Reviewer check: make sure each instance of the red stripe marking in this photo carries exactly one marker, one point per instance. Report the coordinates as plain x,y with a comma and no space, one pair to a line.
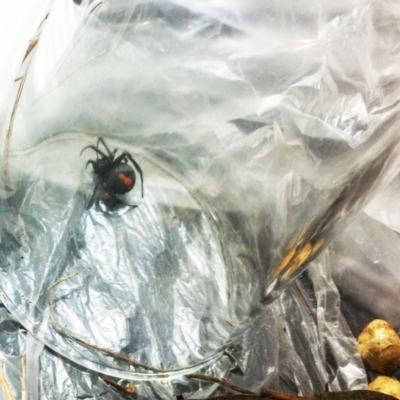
127,181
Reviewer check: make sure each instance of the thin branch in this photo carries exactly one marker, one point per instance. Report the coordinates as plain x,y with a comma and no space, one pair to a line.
128,390
220,381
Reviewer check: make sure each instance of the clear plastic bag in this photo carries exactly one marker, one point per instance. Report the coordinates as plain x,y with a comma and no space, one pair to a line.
365,264
299,344
258,136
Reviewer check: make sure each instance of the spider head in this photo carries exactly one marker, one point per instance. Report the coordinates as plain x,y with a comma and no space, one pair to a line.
102,165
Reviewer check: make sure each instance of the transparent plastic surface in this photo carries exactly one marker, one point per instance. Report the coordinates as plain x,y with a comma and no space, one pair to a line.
384,206
287,349
160,276
258,138
365,261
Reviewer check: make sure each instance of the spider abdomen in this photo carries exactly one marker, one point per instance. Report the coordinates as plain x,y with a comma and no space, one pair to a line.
120,179
114,173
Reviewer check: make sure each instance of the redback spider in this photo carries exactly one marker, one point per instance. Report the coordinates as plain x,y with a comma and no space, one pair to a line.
115,175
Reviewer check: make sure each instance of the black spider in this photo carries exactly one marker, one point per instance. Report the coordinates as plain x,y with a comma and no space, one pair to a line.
115,175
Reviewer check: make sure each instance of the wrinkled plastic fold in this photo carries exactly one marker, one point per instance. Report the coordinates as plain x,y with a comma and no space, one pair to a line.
261,129
300,344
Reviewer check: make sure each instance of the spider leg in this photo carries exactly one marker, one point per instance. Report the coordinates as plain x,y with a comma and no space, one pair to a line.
95,149
101,140
125,155
91,201
90,162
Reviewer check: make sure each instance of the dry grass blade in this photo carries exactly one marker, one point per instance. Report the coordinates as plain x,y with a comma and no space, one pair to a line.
221,382
24,395
117,356
67,333
4,385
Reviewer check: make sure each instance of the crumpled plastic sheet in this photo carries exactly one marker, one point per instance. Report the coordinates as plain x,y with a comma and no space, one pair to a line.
300,344
259,137
256,149
365,261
